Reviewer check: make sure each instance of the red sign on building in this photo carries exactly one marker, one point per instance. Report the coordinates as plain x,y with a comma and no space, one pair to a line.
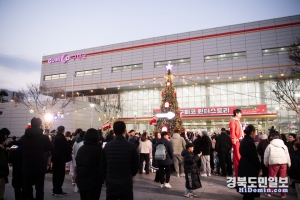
220,110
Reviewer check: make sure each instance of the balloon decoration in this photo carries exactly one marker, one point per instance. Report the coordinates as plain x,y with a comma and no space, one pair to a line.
175,94
162,92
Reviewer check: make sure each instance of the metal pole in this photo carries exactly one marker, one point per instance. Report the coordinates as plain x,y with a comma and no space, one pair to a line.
92,117
72,86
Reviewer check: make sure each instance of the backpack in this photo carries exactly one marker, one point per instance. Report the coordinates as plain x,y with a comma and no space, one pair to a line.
160,152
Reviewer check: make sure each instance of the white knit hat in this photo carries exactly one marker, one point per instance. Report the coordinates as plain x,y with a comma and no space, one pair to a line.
263,136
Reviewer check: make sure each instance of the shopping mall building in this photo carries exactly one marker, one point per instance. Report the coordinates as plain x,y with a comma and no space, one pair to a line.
215,71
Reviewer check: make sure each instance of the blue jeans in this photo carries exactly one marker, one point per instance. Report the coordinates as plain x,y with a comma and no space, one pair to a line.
188,191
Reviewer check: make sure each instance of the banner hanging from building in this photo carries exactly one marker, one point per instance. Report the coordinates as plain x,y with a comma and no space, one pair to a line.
219,110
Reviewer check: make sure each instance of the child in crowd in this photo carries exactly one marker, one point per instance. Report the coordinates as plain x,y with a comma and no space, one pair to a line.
192,177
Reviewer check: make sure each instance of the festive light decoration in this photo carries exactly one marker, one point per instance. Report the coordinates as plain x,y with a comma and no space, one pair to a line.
164,129
169,67
169,115
167,104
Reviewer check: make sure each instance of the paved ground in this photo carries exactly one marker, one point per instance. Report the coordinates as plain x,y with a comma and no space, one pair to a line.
145,188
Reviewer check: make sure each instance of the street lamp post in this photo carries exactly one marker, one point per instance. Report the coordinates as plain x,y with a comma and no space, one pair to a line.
92,114
73,75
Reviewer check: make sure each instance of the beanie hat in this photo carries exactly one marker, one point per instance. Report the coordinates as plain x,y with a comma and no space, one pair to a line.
204,132
263,136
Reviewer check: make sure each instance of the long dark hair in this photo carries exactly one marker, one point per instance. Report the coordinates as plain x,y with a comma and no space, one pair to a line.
249,129
144,137
264,143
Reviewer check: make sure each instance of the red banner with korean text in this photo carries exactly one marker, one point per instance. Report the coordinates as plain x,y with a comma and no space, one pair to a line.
220,110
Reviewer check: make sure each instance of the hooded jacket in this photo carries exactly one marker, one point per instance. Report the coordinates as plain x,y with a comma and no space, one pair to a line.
276,153
35,147
178,143
236,131
192,179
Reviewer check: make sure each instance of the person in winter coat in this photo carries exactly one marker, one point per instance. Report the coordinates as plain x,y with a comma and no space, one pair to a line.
192,178
16,161
197,143
62,153
165,165
4,171
157,136
249,165
178,144
76,146
223,148
294,171
236,134
119,163
35,147
144,149
88,160
277,158
205,149
290,144
261,147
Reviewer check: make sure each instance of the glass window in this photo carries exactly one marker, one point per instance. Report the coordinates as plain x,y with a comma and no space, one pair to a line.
62,75
126,68
81,73
88,72
55,76
181,61
225,56
275,51
97,71
47,78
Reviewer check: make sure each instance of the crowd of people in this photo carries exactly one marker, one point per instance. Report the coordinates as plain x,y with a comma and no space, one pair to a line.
113,159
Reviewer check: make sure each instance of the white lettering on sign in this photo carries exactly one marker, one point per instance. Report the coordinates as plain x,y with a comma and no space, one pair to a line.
65,58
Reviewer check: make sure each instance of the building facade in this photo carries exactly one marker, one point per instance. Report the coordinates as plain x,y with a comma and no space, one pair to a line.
215,70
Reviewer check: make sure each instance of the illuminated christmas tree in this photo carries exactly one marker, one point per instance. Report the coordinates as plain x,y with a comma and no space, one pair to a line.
170,114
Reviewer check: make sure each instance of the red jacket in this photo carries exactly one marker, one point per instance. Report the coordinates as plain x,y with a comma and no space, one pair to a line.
236,131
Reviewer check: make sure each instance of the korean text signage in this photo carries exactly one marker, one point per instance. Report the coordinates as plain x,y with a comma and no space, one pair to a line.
220,110
65,58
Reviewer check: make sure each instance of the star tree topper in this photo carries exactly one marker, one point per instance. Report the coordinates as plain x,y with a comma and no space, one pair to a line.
169,67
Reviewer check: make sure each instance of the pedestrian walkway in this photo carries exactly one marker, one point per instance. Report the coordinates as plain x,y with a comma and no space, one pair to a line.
213,187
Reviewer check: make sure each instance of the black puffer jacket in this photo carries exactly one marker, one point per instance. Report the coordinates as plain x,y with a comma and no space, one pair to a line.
17,162
295,166
4,171
88,170
169,157
119,161
35,147
205,145
192,178
223,143
62,151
